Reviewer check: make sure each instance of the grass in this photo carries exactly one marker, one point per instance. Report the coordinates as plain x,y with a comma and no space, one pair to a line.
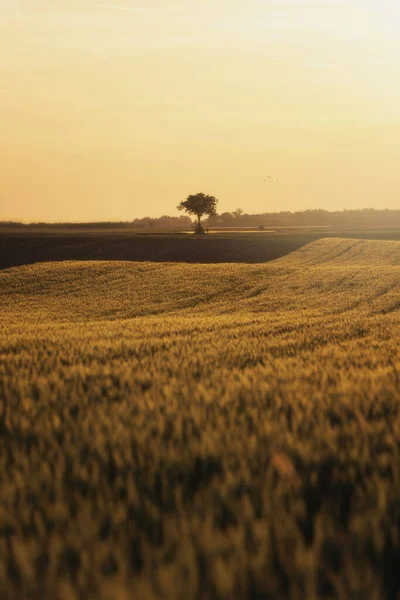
202,431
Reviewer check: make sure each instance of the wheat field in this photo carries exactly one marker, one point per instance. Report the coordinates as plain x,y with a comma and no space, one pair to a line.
202,431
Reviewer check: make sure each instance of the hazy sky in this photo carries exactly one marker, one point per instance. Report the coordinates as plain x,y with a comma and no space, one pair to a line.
112,110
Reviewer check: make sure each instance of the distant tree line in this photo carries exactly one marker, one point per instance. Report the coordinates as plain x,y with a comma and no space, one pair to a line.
163,222
367,217
363,218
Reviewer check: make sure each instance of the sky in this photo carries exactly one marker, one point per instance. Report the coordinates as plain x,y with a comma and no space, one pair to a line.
116,110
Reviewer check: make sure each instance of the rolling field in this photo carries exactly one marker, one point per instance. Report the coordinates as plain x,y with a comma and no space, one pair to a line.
193,431
41,245
27,247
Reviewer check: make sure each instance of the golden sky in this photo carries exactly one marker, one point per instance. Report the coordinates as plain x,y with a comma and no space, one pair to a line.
112,110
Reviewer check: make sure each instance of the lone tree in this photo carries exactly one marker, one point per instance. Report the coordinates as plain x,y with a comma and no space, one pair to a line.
199,205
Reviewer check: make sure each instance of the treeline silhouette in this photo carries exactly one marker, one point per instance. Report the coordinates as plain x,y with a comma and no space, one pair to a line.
363,218
163,222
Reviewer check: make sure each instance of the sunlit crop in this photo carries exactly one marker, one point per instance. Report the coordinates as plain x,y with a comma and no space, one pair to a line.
202,431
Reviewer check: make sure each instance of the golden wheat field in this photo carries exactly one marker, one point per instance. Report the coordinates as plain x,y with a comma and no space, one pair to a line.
202,431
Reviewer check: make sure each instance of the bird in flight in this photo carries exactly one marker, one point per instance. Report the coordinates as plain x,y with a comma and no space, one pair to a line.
270,178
